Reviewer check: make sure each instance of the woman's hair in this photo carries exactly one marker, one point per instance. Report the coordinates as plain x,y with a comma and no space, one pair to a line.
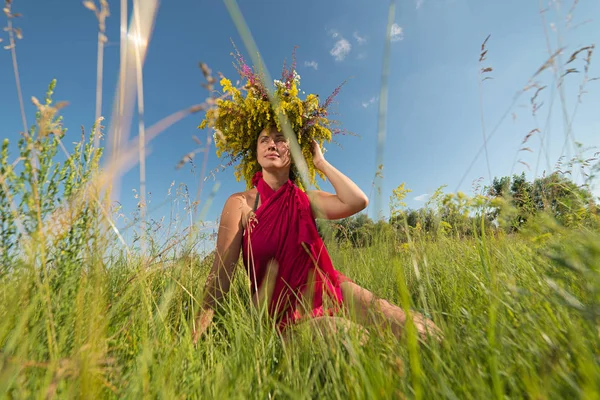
293,176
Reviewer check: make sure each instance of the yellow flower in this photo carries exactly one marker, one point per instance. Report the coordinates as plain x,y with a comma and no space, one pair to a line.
239,119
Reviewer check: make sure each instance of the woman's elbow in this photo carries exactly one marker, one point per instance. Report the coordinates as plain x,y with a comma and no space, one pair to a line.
362,203
365,202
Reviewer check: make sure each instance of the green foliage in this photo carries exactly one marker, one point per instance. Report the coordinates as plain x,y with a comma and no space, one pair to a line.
45,202
510,204
397,199
571,205
356,230
52,244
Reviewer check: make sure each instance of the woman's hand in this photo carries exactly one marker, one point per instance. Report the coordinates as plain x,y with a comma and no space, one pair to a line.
318,158
203,321
426,328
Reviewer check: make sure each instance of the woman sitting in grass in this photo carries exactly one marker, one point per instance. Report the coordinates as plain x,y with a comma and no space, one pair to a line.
273,222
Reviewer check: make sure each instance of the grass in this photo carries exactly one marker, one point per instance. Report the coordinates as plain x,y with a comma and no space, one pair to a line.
114,328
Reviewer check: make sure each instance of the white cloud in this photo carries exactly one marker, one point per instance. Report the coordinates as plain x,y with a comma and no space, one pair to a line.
360,39
420,3
311,64
366,104
396,32
422,197
341,49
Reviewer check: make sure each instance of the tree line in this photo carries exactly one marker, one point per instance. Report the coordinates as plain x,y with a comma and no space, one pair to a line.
508,205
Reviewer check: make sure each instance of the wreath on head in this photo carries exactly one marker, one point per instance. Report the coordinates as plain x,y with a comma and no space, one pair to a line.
239,119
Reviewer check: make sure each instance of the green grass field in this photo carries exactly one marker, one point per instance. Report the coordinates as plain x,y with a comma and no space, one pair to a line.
115,328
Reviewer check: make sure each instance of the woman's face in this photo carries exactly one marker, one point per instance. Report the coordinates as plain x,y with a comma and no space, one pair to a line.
273,150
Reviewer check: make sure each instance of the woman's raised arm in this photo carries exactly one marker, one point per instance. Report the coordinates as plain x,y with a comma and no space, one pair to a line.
348,199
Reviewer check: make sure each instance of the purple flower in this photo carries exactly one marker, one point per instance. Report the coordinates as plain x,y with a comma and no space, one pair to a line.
332,95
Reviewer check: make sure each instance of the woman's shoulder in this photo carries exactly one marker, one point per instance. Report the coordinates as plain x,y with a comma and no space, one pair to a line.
241,203
246,197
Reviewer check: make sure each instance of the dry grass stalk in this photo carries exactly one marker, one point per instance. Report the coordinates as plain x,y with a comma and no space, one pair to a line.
139,32
206,105
483,71
101,14
93,193
138,44
569,17
120,95
531,132
535,106
12,33
586,70
531,84
383,107
211,102
377,176
549,62
587,62
557,69
525,164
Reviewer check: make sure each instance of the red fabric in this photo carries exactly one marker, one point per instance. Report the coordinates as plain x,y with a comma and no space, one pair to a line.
284,230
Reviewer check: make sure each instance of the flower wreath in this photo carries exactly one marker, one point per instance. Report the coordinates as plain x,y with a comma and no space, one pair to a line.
238,120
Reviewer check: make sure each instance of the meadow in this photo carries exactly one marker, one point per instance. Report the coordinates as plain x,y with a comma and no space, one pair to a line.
514,285
81,317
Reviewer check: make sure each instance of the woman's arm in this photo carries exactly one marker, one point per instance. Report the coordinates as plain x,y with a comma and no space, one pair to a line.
348,198
229,243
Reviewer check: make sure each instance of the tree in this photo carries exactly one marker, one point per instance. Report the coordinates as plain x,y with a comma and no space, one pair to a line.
570,204
358,230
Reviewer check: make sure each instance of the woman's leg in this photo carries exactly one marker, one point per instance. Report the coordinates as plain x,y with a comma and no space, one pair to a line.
369,310
330,328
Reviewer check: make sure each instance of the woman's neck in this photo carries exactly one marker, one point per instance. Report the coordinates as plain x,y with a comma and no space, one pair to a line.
275,179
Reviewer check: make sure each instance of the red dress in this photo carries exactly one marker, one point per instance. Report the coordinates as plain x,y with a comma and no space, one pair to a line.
284,230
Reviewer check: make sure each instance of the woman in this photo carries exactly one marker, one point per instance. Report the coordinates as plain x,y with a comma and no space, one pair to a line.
240,221
273,222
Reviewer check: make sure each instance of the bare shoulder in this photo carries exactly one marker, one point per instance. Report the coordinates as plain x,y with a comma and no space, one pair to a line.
241,204
245,198
234,203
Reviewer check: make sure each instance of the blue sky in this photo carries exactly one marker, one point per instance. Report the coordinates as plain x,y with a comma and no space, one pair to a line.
434,124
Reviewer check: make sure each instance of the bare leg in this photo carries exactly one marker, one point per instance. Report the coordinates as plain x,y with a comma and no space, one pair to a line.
329,325
370,310
330,328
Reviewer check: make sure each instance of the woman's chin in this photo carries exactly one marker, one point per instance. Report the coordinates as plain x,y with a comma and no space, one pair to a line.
273,164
